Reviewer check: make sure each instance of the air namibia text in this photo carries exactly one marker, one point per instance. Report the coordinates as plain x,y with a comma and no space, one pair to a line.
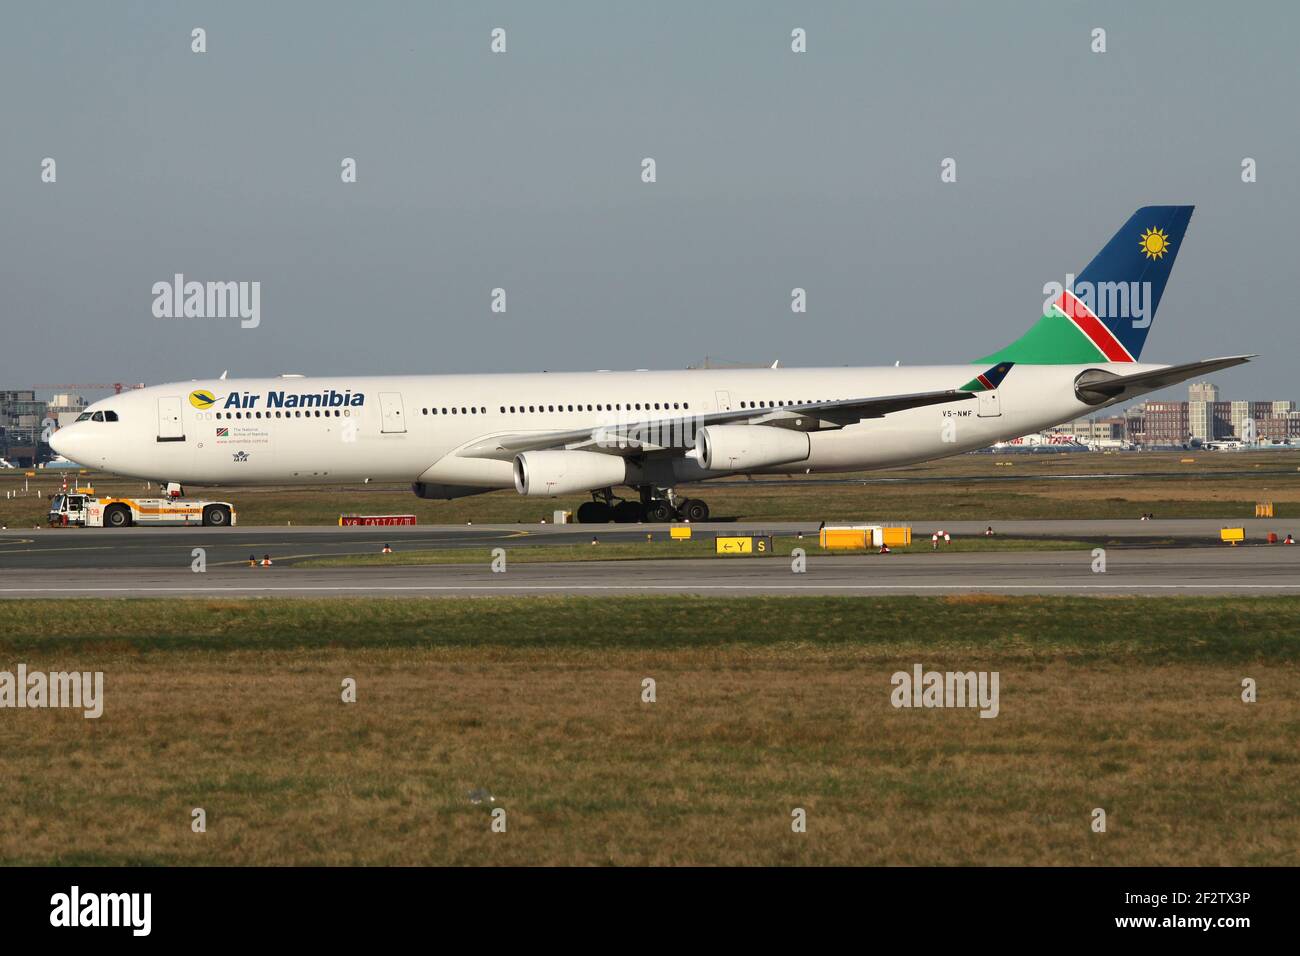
276,399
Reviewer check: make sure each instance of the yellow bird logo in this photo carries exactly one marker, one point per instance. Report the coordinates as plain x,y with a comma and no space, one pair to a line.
202,399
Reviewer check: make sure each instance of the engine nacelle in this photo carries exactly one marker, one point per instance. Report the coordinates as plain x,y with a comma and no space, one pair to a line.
745,447
548,473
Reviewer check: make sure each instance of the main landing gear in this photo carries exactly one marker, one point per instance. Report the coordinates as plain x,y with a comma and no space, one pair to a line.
656,505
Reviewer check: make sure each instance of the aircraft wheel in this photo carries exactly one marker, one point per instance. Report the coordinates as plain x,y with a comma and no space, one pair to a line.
627,512
693,509
659,512
594,512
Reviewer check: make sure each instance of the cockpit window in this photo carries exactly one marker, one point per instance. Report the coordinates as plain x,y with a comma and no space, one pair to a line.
110,416
84,416
97,417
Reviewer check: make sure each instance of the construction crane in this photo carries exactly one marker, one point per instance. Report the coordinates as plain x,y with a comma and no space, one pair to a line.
117,387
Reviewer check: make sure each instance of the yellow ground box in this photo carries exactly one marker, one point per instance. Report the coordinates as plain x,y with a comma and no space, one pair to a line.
897,537
680,532
844,539
1233,534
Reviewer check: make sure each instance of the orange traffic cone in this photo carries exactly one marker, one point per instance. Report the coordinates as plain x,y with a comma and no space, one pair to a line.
252,560
386,550
266,560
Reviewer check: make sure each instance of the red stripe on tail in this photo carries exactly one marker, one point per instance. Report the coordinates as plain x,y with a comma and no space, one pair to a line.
1074,309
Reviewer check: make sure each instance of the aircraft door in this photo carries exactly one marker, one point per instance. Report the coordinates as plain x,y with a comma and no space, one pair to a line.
990,404
170,426
724,401
390,407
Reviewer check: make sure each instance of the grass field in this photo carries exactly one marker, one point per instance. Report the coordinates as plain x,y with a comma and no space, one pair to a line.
1213,484
763,705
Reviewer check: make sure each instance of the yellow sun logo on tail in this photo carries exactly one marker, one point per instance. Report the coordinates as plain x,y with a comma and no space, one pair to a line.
1154,243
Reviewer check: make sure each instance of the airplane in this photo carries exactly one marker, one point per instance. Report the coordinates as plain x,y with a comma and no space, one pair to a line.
548,434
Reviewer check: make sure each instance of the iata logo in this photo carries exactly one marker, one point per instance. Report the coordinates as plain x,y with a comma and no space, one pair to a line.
202,399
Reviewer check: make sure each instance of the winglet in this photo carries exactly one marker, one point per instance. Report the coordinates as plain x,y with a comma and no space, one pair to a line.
989,380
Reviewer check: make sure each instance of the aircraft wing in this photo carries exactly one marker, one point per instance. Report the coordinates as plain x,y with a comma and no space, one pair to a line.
1097,386
678,434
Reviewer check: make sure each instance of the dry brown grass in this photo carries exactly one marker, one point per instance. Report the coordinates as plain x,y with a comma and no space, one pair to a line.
588,774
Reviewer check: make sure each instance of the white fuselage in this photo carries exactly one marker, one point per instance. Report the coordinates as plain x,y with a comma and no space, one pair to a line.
410,428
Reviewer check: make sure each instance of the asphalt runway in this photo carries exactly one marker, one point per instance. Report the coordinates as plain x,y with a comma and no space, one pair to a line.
1129,571
70,549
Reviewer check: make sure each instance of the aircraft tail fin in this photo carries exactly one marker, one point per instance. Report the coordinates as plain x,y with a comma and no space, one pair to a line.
1105,314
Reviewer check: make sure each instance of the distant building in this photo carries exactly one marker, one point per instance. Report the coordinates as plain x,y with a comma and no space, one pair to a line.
1204,417
65,408
20,409
20,426
66,403
1284,427
1165,423
1090,431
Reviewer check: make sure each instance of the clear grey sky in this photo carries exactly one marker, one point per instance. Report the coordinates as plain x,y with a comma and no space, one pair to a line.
522,170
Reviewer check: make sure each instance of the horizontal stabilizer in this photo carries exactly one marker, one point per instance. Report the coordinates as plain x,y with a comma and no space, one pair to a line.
1099,387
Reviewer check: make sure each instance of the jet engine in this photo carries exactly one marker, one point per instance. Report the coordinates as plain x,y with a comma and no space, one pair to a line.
746,447
549,473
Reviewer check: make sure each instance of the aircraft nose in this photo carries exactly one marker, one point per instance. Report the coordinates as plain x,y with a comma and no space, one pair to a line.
67,443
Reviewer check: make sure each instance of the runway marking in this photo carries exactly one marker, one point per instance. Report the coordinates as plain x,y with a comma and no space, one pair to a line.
53,550
236,588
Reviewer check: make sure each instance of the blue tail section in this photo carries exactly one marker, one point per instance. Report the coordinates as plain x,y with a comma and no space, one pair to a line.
1122,286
